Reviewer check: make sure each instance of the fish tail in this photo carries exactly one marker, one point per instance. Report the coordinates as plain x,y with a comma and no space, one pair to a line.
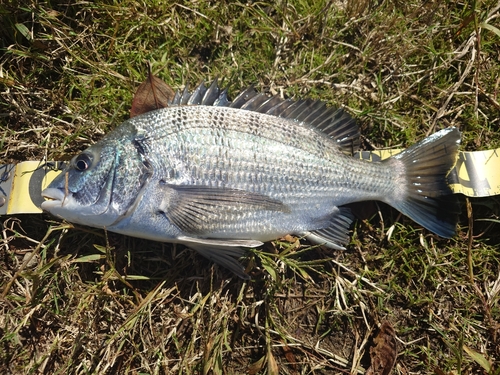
426,197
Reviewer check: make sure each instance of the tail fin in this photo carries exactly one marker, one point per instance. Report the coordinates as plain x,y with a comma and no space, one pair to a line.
429,200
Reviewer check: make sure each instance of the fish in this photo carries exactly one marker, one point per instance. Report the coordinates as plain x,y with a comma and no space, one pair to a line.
222,176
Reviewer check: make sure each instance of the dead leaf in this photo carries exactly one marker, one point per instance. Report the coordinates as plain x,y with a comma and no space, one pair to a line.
290,357
255,367
479,359
152,94
383,354
272,365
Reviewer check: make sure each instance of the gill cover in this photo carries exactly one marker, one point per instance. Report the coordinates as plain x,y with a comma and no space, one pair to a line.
101,185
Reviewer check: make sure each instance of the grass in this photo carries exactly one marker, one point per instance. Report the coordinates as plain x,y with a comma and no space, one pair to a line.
80,301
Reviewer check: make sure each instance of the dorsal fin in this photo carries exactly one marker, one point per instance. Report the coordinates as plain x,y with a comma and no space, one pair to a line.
332,121
244,97
186,95
211,96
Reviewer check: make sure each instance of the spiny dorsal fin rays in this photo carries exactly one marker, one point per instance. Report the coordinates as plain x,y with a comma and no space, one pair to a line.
244,97
255,102
205,96
181,98
212,94
222,100
332,121
283,108
185,95
344,129
301,109
269,104
197,95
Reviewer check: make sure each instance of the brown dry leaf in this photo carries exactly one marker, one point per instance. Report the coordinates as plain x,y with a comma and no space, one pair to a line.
438,371
152,94
255,367
272,365
383,354
290,357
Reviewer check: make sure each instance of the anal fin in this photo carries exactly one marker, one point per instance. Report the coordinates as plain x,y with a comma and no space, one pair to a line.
336,235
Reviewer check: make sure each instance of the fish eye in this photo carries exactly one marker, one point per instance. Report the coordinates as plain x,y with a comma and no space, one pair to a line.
82,162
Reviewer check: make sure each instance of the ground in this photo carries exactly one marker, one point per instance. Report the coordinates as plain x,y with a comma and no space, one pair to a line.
91,302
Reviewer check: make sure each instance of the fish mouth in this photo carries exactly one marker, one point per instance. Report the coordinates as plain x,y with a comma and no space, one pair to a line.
53,198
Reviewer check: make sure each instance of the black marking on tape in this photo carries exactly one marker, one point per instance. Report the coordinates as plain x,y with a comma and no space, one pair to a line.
36,179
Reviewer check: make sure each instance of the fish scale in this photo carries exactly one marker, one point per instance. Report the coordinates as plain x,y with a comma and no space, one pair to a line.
221,176
287,171
190,118
196,145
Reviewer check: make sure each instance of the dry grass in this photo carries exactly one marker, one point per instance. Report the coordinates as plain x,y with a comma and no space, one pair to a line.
80,301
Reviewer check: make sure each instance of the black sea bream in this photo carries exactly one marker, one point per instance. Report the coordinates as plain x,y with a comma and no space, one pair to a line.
221,176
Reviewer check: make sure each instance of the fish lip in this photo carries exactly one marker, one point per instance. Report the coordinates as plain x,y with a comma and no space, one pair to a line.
53,198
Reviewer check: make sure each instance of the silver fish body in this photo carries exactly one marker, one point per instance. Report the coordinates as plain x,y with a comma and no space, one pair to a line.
221,176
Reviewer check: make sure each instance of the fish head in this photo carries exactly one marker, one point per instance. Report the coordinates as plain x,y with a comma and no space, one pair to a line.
100,186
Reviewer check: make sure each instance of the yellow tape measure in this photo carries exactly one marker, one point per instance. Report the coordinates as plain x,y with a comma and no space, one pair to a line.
21,185
476,174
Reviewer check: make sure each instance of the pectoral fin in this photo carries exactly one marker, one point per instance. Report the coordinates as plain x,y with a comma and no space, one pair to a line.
201,210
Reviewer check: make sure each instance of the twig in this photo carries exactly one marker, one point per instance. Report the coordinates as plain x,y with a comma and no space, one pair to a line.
469,240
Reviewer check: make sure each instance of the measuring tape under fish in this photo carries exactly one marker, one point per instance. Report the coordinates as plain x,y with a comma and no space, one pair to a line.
475,175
